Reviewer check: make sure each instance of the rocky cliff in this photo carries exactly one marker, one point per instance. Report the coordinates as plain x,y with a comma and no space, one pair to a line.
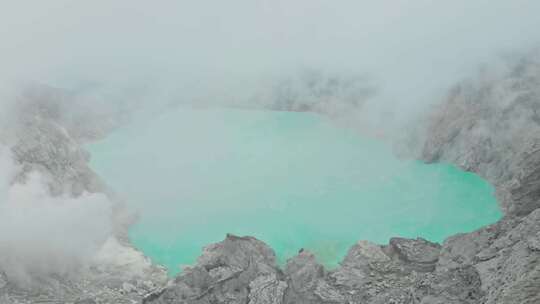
489,125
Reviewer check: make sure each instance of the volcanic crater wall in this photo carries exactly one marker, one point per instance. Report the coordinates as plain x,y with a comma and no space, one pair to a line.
489,125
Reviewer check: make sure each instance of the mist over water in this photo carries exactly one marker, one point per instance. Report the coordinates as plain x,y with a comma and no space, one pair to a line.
207,52
292,179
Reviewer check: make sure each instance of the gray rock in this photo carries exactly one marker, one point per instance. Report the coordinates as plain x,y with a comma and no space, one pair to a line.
128,288
267,289
328,293
237,270
304,272
420,253
493,128
3,279
365,252
86,301
534,242
456,286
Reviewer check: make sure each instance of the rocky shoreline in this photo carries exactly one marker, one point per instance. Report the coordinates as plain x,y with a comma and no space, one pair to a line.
489,125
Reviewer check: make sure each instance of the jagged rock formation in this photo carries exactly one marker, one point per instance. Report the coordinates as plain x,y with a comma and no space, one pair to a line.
243,270
46,130
496,264
489,126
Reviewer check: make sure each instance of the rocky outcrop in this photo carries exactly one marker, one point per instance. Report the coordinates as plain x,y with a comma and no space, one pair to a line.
419,254
45,134
491,126
243,270
237,270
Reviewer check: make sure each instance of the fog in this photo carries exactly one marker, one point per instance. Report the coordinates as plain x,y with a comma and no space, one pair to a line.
390,59
203,51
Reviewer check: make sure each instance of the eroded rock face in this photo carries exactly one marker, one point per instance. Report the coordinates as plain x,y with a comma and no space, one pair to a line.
501,255
46,136
493,265
237,270
454,286
46,147
420,254
367,275
491,126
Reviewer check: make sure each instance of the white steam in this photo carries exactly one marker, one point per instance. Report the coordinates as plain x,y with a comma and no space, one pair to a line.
42,235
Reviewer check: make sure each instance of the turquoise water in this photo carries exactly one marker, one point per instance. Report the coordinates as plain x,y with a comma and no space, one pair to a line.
293,180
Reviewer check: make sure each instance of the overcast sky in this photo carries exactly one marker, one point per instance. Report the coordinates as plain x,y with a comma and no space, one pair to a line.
409,46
